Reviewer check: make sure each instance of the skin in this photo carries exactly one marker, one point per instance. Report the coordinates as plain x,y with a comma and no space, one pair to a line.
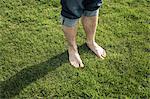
89,25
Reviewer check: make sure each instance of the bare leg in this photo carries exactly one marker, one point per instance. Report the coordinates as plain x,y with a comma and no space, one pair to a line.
74,58
90,25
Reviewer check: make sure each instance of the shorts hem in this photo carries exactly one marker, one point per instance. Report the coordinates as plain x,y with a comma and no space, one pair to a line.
68,22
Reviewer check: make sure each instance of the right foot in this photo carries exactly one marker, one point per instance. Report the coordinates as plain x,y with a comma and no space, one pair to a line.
75,59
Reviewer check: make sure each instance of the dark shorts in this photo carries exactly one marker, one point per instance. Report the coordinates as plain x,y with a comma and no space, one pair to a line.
72,10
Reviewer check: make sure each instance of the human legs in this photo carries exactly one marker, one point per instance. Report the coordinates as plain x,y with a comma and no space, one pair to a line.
90,25
70,35
71,11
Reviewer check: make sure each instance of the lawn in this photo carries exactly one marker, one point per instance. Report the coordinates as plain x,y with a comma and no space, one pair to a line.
34,60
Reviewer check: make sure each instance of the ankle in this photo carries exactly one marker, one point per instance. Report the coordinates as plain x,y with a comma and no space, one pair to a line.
90,42
73,48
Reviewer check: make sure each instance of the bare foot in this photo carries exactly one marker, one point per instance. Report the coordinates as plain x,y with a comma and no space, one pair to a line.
99,51
75,59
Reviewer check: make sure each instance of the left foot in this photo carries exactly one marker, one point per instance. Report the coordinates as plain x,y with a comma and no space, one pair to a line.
98,50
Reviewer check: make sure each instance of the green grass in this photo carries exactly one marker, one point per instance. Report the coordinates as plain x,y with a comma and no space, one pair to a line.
34,60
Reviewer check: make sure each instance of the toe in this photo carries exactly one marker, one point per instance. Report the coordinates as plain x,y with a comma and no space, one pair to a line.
81,65
104,53
100,56
75,64
101,52
98,53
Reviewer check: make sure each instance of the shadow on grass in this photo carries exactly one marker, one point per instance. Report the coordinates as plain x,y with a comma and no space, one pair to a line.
22,79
